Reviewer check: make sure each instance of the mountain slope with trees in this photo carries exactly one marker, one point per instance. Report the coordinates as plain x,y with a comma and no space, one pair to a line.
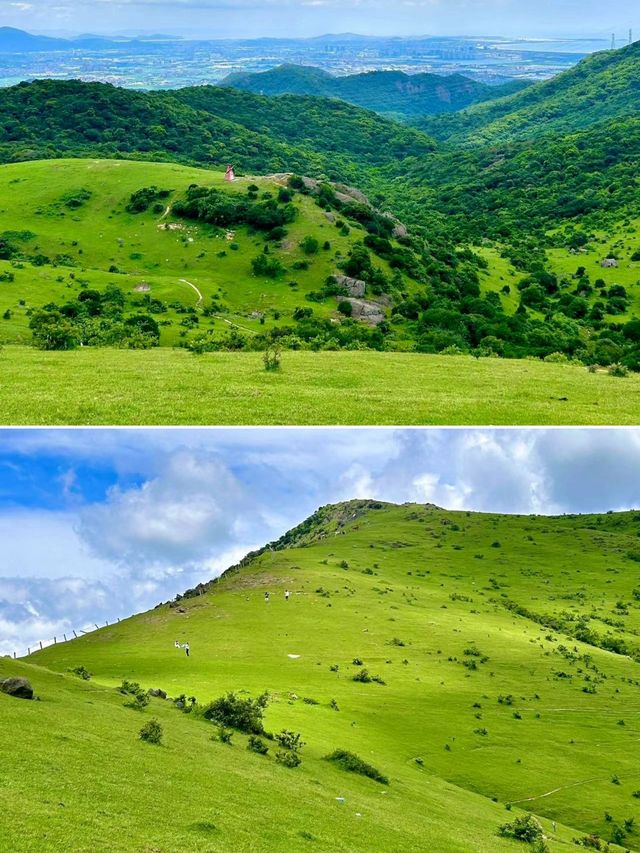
205,125
603,87
389,92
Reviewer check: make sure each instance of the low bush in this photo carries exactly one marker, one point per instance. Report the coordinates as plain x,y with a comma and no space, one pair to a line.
288,759
82,672
223,735
151,732
256,744
272,357
290,740
525,828
245,715
354,764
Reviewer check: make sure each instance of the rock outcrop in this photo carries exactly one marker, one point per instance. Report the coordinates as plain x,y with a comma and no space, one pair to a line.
353,286
367,312
19,688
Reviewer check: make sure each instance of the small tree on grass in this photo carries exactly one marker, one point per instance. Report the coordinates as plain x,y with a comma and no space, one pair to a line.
223,735
288,759
151,732
272,357
290,740
256,744
291,743
245,715
81,671
525,828
139,699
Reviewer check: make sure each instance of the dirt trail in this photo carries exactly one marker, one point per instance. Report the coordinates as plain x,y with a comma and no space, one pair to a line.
555,790
237,326
200,296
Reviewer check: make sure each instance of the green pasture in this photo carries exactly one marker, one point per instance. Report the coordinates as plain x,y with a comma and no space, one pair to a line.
165,386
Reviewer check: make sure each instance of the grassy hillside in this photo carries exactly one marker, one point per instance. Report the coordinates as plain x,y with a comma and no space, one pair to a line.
69,230
389,92
508,647
163,386
602,87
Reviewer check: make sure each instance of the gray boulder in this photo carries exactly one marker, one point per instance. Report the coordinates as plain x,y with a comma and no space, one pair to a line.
367,312
20,688
353,286
155,691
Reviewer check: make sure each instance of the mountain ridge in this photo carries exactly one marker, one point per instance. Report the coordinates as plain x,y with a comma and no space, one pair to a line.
387,92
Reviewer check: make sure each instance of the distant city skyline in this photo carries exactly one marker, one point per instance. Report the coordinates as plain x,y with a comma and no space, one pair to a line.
308,18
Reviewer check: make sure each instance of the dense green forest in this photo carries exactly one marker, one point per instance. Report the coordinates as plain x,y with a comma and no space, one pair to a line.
392,93
206,125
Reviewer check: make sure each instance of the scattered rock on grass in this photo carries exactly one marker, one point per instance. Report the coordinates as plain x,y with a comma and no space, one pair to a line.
20,688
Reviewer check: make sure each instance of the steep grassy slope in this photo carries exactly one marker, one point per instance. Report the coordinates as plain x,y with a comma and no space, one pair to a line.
389,92
602,87
472,621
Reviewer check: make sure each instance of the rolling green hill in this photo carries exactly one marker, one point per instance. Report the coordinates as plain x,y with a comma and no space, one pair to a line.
388,92
603,87
69,230
135,254
507,656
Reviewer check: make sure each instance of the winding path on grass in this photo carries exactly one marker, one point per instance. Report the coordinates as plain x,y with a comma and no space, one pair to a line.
555,790
238,326
201,300
199,294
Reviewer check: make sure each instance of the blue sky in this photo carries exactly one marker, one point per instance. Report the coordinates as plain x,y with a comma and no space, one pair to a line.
98,524
252,18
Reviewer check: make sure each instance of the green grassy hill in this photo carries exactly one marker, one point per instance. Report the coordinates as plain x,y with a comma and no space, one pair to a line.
66,228
602,87
388,92
509,650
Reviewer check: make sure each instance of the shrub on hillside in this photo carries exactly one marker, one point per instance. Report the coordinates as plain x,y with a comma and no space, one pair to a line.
290,740
245,715
618,370
140,200
288,759
267,267
223,734
272,357
354,764
82,672
151,732
364,677
525,828
256,744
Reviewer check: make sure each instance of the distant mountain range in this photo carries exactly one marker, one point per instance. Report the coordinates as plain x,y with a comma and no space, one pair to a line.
19,41
388,92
